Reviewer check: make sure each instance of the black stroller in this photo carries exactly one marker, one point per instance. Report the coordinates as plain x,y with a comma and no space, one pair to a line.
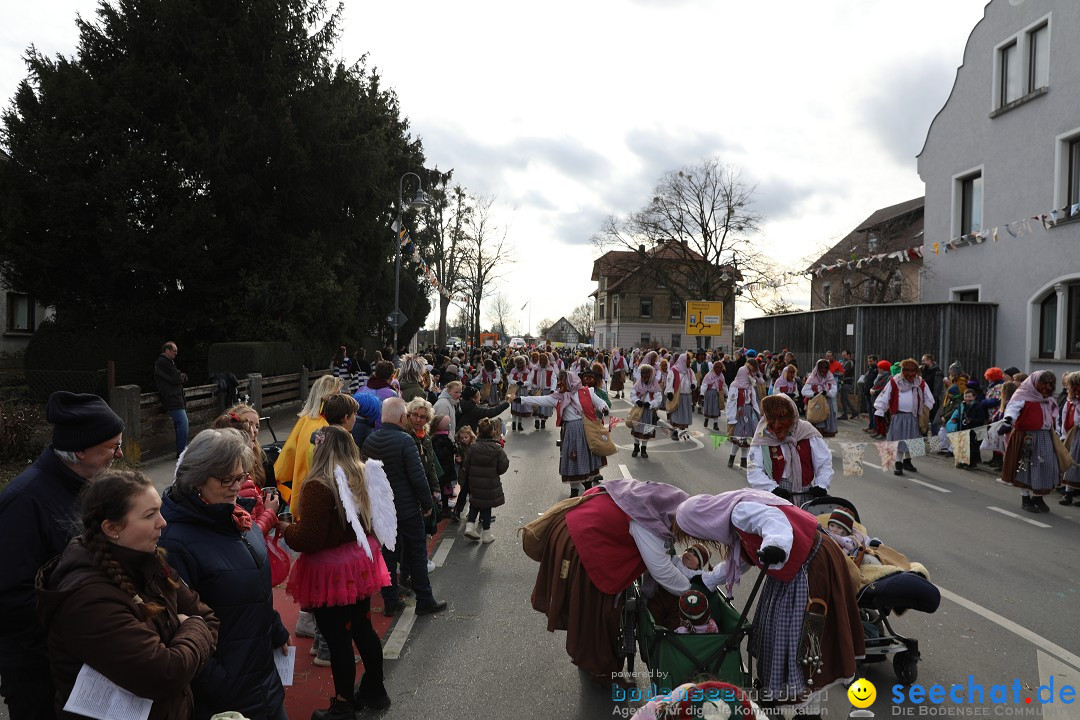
877,600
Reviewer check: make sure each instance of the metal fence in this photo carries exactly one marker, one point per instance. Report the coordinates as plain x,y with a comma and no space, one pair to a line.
964,332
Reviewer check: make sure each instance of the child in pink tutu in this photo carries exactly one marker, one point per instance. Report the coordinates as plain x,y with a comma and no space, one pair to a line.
348,509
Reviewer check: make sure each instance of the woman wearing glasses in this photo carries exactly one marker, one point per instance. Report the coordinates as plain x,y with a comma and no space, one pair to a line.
220,554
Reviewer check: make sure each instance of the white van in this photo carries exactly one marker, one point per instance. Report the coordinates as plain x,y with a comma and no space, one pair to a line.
517,343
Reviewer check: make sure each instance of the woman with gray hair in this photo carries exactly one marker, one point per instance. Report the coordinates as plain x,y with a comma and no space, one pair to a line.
218,551
411,377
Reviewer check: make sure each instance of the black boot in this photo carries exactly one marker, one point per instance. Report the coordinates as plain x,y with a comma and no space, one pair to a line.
908,466
536,424
1067,499
715,426
338,710
899,469
674,434
573,492
1040,504
731,461
706,423
543,423
637,449
742,463
644,452
1026,503
995,463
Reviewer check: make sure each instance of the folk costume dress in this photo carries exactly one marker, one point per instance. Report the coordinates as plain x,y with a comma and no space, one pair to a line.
798,462
576,461
714,387
652,395
491,379
783,386
813,574
1070,421
824,385
544,379
743,409
594,552
523,375
905,402
618,369
1030,459
682,386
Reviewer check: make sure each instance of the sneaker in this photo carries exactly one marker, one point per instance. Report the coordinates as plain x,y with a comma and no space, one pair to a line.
322,659
431,566
305,625
437,606
470,531
338,710
487,537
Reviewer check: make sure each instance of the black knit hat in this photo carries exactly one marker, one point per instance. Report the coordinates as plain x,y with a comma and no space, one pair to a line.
469,391
694,607
80,420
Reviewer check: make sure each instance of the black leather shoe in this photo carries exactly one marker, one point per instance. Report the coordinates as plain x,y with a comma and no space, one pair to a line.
438,606
392,609
338,710
908,466
1040,504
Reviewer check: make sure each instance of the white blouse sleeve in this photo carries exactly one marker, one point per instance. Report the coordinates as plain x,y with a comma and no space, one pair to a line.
768,522
660,565
755,471
882,402
823,469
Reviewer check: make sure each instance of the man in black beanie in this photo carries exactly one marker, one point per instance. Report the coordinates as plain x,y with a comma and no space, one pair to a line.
38,517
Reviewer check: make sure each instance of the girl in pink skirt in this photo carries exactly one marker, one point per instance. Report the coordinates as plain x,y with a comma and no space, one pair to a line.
348,509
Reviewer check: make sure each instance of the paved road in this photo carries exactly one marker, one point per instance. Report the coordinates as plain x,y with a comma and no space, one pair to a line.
1008,614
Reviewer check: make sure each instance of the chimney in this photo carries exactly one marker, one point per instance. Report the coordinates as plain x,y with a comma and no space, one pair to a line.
641,249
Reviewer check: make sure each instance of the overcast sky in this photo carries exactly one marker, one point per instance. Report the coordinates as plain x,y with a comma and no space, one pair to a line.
570,111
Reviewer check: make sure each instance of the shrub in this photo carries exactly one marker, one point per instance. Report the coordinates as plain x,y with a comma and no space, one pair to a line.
244,358
24,433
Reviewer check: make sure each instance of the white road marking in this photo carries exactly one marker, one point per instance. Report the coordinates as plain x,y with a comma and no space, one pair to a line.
1036,640
439,558
1052,670
625,472
926,484
396,642
1036,523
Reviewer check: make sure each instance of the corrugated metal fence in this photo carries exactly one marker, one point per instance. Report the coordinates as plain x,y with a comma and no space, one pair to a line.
948,331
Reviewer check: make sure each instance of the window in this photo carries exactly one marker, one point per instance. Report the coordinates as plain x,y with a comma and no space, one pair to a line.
615,308
676,340
646,307
603,282
1048,326
20,313
872,242
971,200
1072,323
967,296
676,309
600,311
1009,77
826,295
1038,58
1073,192
646,339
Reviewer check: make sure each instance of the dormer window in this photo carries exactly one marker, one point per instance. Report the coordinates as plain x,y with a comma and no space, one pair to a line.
872,242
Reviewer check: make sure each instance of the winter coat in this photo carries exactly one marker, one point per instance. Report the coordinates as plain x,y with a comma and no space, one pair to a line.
396,448
360,431
446,405
90,620
231,572
260,515
427,459
443,445
469,413
411,389
484,463
37,519
293,462
170,383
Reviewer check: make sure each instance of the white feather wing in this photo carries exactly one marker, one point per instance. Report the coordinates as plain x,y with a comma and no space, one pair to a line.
383,510
349,503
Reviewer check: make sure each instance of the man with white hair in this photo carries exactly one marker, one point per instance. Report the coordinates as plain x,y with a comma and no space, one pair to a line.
395,447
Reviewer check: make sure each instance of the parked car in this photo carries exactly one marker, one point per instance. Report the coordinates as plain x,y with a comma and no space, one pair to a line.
517,343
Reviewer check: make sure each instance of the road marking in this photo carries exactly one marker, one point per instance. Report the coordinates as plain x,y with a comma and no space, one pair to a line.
625,472
1037,640
926,484
396,642
1052,670
439,558
1036,523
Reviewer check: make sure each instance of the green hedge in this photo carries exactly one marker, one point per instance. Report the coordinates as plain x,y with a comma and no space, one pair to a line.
244,358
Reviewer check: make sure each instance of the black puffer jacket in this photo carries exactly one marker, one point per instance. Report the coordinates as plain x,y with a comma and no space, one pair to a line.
484,463
401,461
469,413
230,571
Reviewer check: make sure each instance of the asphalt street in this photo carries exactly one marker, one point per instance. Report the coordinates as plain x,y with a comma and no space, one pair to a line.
1008,579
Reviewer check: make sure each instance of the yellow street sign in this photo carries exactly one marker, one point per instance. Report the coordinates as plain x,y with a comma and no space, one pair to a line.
704,318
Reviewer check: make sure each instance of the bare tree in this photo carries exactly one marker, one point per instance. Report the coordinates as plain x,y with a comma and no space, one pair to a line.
446,245
584,319
696,236
499,313
487,255
543,327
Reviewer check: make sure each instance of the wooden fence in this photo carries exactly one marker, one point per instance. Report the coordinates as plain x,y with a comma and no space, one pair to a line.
964,332
148,429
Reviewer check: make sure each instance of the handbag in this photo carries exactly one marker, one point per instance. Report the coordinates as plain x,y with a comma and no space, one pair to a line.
817,409
511,392
924,419
634,416
280,562
485,391
534,535
597,434
1064,457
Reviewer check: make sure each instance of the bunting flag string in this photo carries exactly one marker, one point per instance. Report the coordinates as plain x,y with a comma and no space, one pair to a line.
1015,229
959,443
412,251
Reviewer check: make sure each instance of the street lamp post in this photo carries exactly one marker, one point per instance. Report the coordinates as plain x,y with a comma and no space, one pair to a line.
420,201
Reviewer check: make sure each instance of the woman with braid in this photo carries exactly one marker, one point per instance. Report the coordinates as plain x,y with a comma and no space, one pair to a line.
111,601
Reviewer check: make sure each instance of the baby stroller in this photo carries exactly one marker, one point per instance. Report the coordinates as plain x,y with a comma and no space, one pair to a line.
893,592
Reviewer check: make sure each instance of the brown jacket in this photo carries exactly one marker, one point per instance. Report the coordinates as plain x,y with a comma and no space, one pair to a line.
89,620
321,526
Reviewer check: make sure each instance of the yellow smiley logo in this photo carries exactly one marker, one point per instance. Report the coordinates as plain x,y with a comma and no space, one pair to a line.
862,693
